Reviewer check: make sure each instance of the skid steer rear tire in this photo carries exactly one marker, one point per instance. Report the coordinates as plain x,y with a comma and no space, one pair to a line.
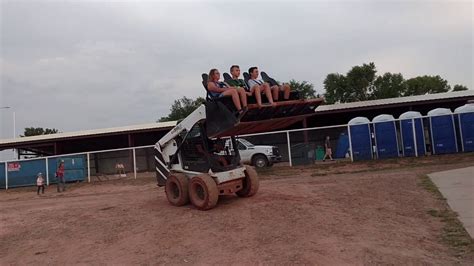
250,183
176,189
203,192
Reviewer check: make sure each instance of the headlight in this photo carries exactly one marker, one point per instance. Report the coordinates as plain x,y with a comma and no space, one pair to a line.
270,151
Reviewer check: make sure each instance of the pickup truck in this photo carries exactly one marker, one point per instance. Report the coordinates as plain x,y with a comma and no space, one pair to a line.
256,155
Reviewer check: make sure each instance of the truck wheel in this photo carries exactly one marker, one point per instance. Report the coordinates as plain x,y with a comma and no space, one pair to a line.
260,161
203,192
250,183
176,189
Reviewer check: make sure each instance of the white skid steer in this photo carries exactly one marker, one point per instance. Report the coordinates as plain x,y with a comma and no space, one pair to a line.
192,162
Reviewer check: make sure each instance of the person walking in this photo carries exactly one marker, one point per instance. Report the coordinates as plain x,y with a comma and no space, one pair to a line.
327,146
40,183
60,177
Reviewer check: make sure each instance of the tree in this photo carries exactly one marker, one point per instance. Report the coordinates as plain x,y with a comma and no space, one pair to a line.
336,88
181,108
357,85
360,82
426,84
36,131
305,88
388,86
459,87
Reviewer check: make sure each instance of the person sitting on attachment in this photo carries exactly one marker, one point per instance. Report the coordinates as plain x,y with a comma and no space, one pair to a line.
217,89
253,72
255,90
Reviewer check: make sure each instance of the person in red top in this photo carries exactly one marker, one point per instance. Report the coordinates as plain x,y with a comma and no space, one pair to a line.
60,176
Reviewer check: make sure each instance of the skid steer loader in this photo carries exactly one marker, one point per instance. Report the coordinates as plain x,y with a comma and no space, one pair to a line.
193,163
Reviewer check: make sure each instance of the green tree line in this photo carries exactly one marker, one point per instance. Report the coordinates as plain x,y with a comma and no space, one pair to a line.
362,83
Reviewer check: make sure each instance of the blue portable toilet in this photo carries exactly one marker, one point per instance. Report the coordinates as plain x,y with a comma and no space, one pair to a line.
360,140
443,133
408,132
342,146
385,132
465,116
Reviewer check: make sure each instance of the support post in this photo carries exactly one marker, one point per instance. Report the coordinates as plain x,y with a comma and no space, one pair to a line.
88,167
47,172
350,143
305,133
415,144
134,164
6,175
289,148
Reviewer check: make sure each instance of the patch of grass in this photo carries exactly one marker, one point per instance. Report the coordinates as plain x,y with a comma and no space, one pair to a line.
427,184
454,234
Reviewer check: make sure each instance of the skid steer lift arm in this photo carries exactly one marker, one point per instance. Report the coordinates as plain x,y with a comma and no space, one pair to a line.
197,116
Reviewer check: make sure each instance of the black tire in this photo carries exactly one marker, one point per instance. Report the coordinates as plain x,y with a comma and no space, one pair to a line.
260,161
250,183
203,192
176,189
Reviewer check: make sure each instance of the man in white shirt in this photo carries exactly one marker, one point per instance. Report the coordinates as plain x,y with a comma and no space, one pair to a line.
253,81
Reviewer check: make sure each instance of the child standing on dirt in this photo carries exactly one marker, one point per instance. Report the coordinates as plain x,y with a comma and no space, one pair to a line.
60,176
40,183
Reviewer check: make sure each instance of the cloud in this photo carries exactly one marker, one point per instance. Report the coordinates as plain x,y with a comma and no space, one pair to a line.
82,65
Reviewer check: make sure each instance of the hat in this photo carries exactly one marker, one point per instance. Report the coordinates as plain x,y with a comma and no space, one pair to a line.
39,174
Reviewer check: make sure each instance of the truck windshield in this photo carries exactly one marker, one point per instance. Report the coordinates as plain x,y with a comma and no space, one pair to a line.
246,142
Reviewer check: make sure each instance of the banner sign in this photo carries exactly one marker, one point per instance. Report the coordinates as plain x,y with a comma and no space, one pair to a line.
14,167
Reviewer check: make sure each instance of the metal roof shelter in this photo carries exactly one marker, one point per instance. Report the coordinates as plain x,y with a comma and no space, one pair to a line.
90,140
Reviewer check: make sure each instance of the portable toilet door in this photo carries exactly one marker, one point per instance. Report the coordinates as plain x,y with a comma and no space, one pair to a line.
408,133
443,134
386,141
360,140
465,116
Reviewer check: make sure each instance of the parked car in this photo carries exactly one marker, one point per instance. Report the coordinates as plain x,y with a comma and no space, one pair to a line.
256,155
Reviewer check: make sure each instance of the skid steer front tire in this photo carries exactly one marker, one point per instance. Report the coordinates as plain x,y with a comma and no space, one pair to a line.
176,189
250,183
203,192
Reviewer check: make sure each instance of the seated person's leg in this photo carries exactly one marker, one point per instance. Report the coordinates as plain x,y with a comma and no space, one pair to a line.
255,90
268,92
286,91
275,92
243,96
235,97
223,161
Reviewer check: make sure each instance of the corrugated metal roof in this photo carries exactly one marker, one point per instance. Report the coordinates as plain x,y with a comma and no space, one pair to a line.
399,100
92,132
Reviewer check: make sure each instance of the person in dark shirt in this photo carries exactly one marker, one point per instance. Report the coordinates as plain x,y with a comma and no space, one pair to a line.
327,146
255,90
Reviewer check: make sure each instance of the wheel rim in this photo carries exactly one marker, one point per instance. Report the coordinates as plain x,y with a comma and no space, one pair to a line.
200,192
260,163
174,190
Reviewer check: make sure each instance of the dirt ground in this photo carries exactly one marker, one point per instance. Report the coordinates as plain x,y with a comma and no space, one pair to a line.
333,213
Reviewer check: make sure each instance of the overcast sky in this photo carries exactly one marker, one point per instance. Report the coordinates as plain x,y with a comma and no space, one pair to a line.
77,65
